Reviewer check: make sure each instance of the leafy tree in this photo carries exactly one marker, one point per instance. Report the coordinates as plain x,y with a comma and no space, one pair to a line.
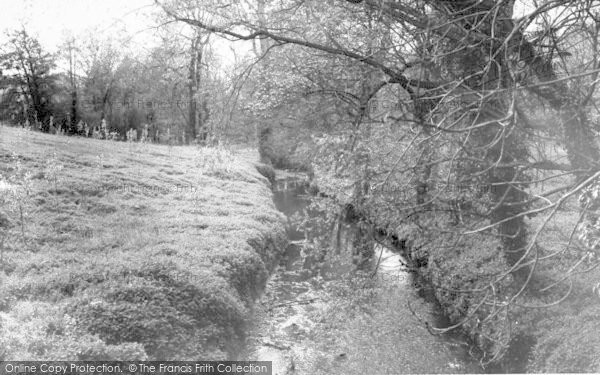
30,82
458,175
100,60
71,51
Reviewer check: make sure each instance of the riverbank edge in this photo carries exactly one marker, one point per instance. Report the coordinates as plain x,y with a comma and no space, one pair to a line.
131,251
423,279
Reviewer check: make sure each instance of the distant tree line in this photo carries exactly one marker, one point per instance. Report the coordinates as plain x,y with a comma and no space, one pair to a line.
99,87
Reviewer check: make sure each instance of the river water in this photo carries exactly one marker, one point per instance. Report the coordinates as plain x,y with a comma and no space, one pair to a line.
319,314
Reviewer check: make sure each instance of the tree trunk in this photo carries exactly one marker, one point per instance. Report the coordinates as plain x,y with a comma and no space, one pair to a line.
74,115
190,132
262,126
501,145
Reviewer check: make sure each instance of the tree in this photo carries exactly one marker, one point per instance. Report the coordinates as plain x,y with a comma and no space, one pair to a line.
99,63
197,116
30,81
71,52
465,67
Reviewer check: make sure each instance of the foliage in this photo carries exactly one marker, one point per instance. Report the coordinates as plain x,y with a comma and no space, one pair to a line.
108,82
456,168
30,85
488,139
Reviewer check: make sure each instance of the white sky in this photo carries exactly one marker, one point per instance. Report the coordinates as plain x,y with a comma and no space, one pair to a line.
51,19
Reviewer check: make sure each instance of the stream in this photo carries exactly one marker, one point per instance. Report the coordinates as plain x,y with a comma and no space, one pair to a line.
319,314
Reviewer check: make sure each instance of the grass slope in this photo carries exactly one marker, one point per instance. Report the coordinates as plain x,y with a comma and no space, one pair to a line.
128,251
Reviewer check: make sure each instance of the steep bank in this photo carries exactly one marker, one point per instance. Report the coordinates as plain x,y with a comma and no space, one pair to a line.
436,267
128,250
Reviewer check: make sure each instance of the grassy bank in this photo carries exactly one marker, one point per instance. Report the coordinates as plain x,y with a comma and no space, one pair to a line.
128,251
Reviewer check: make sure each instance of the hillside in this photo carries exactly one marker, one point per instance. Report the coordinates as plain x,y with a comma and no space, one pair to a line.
113,250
